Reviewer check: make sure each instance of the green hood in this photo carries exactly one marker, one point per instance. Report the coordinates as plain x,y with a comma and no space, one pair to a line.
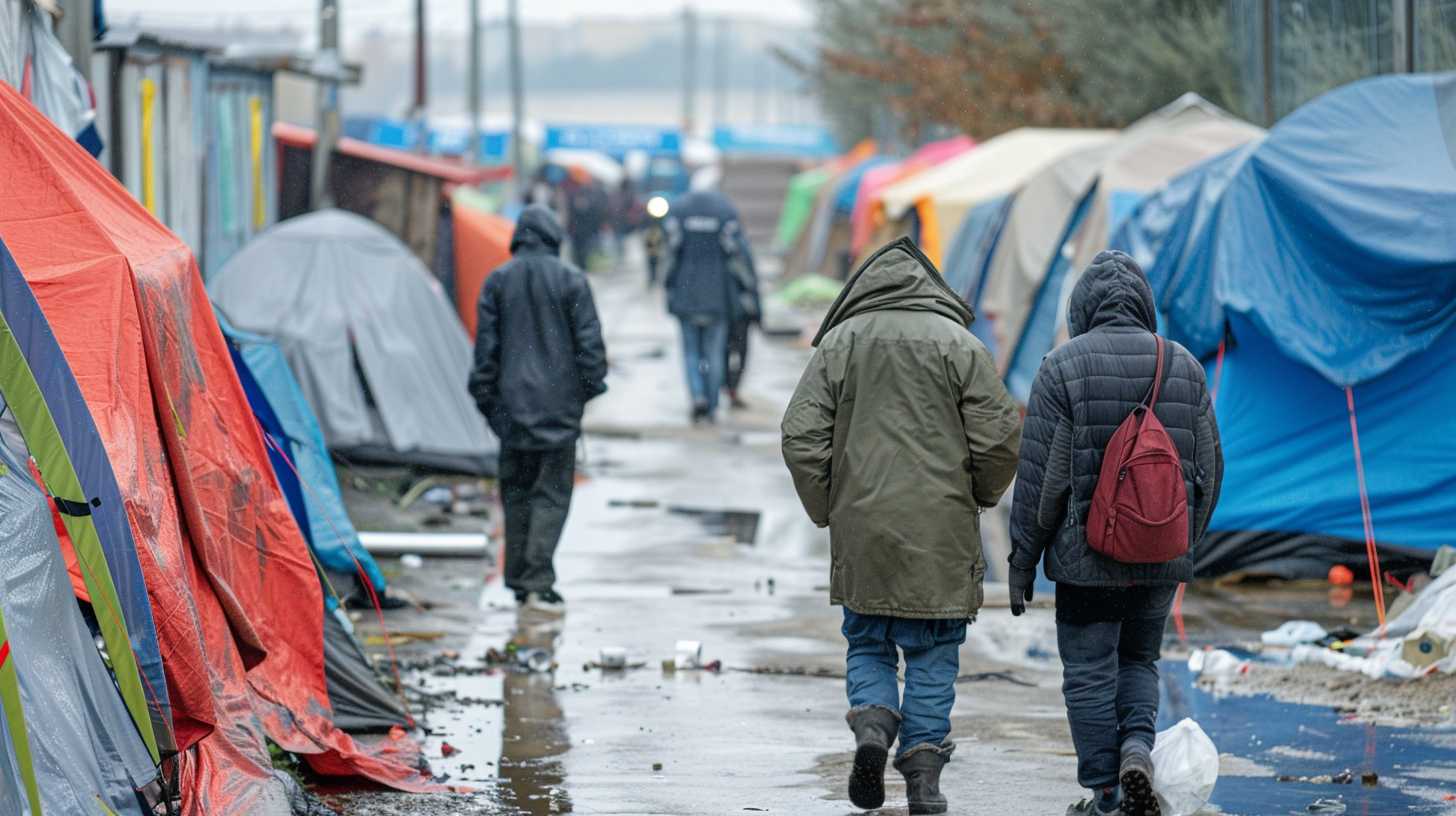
898,277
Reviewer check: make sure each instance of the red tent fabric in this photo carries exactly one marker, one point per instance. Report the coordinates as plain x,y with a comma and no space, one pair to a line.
482,243
234,593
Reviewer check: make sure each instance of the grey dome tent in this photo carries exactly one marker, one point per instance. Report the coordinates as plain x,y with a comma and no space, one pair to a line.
376,347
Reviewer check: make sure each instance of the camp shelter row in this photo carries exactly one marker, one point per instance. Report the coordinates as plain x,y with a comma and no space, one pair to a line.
1312,267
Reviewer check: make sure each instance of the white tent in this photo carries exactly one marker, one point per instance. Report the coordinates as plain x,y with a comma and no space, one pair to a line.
376,347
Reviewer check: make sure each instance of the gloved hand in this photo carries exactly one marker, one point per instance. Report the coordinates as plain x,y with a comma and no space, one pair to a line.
1020,582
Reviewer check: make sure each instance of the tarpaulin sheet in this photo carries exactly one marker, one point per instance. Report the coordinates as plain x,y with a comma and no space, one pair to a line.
329,530
85,456
235,596
1336,236
84,747
798,205
369,334
482,243
1289,465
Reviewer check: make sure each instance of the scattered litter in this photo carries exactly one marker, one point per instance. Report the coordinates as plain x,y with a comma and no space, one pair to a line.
439,496
657,766
448,750
1444,560
636,504
1325,806
1213,664
411,561
1418,641
1293,633
689,654
535,660
401,637
1185,768
612,657
1370,779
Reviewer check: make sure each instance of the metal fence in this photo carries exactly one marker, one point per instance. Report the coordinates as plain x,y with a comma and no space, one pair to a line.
1293,50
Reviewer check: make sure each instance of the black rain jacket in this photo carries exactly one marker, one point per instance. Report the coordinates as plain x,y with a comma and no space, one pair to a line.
539,355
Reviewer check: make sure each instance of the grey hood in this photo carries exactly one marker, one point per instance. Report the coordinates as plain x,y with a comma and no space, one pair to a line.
537,229
1112,292
897,277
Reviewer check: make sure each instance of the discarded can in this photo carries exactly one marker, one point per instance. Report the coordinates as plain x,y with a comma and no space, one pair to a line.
613,657
536,660
689,654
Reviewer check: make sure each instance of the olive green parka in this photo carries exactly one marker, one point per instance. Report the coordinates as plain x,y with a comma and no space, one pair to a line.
899,434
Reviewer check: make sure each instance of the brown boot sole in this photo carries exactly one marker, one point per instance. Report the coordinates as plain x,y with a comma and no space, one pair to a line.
867,779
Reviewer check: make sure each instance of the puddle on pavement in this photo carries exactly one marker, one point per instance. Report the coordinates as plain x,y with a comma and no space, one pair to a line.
1308,741
740,525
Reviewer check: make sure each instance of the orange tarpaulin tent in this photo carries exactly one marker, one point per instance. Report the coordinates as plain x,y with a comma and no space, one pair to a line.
234,593
482,243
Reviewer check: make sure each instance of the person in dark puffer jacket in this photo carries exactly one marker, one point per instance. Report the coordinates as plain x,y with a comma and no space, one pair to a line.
1110,615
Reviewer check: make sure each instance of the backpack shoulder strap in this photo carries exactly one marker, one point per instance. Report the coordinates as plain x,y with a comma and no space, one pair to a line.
1157,375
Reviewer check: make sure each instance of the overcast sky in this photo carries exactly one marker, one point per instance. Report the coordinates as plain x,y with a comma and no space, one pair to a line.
367,13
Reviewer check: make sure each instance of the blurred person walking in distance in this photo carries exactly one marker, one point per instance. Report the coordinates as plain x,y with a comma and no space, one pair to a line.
705,244
899,435
539,358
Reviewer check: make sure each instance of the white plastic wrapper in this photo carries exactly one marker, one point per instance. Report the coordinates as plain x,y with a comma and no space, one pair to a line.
1185,769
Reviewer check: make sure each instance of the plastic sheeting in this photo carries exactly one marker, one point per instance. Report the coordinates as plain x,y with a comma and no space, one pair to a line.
798,205
83,745
329,530
34,62
970,257
234,593
367,330
83,458
1336,236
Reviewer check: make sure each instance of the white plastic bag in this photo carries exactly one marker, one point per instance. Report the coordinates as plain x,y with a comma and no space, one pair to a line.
1185,769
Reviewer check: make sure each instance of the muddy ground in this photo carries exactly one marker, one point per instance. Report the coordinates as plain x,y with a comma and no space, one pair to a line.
694,534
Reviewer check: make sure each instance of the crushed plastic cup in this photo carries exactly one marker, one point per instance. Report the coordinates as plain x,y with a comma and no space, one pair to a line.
612,657
689,654
1185,768
1293,633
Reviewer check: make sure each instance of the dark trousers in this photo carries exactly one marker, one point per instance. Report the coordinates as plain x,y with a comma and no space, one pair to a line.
1110,642
535,490
737,357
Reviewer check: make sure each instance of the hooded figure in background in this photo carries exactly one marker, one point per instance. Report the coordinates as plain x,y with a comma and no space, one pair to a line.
899,435
539,358
711,288
1110,615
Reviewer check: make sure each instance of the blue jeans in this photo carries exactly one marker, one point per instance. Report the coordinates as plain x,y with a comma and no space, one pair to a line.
932,662
705,351
1110,678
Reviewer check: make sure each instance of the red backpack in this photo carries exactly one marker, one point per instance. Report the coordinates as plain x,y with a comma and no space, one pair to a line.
1139,509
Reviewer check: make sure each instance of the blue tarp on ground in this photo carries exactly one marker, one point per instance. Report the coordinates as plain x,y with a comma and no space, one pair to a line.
88,457
1326,254
278,402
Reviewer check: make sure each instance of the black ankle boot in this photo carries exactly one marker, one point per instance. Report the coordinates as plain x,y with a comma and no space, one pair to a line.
921,768
874,729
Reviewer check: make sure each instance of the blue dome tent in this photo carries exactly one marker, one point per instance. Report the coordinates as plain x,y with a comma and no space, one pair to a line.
1315,272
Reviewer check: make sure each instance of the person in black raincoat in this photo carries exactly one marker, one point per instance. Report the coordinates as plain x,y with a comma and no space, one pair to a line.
539,358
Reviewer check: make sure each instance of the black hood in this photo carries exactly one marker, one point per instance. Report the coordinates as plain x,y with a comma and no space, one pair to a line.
538,229
1112,292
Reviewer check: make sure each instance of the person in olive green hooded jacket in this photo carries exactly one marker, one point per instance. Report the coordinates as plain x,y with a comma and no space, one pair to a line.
900,433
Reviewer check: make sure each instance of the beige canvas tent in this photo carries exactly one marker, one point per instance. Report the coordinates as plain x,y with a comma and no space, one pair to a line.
1148,152
944,194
